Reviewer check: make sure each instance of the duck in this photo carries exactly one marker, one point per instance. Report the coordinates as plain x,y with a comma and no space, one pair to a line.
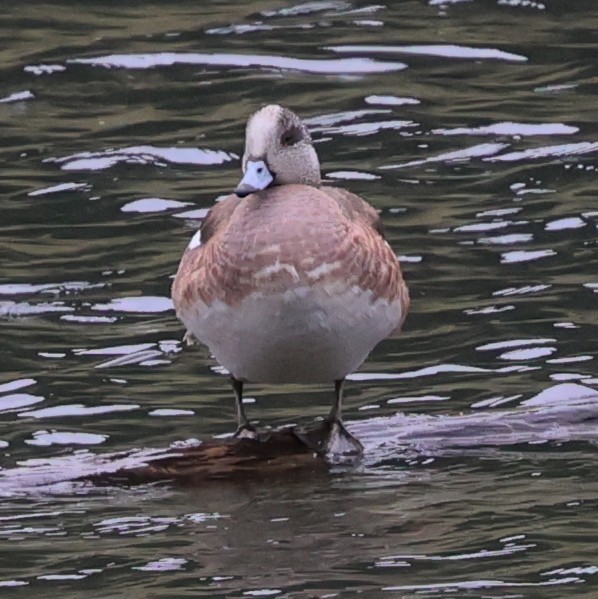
288,279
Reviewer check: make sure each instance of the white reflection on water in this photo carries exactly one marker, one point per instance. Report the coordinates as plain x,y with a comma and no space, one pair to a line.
44,69
17,97
493,402
165,564
524,290
418,398
49,288
169,412
466,585
80,318
528,354
343,66
561,224
143,304
359,129
508,548
198,214
390,100
16,384
305,8
498,224
525,256
426,371
322,122
77,410
93,161
572,149
152,205
507,239
144,354
489,310
117,350
465,154
564,411
19,309
443,50
498,212
570,359
345,123
68,186
16,401
513,343
511,128
46,438
352,175
61,576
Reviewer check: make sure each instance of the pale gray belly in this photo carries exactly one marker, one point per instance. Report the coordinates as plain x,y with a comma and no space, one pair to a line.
303,335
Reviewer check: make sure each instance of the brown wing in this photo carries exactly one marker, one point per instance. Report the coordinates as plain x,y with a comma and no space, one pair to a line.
217,216
192,269
367,254
289,236
369,262
354,207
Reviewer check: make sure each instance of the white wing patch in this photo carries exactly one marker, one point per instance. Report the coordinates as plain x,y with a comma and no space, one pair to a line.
195,241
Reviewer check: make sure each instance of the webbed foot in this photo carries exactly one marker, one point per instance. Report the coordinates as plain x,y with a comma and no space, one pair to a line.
332,441
245,431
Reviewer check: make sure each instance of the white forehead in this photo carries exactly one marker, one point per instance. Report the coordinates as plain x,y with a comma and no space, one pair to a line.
261,127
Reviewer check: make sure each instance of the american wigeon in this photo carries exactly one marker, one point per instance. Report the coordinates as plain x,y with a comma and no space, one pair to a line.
289,280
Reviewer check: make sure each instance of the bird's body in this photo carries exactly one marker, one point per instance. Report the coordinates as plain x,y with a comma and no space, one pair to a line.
290,289
293,282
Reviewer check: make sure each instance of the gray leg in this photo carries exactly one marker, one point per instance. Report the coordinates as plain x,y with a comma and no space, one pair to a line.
244,428
337,404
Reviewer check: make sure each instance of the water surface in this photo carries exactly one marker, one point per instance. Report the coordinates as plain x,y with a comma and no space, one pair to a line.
471,126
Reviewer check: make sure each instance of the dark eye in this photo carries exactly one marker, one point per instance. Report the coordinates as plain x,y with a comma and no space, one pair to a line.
291,136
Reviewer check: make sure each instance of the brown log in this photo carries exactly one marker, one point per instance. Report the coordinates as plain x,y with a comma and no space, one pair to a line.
271,454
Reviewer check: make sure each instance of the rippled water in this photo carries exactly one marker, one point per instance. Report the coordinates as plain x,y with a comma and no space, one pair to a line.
472,127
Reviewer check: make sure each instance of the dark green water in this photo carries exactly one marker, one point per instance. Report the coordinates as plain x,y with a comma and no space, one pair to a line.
472,127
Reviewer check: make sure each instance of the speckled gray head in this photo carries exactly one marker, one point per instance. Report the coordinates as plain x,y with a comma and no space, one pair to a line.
278,151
